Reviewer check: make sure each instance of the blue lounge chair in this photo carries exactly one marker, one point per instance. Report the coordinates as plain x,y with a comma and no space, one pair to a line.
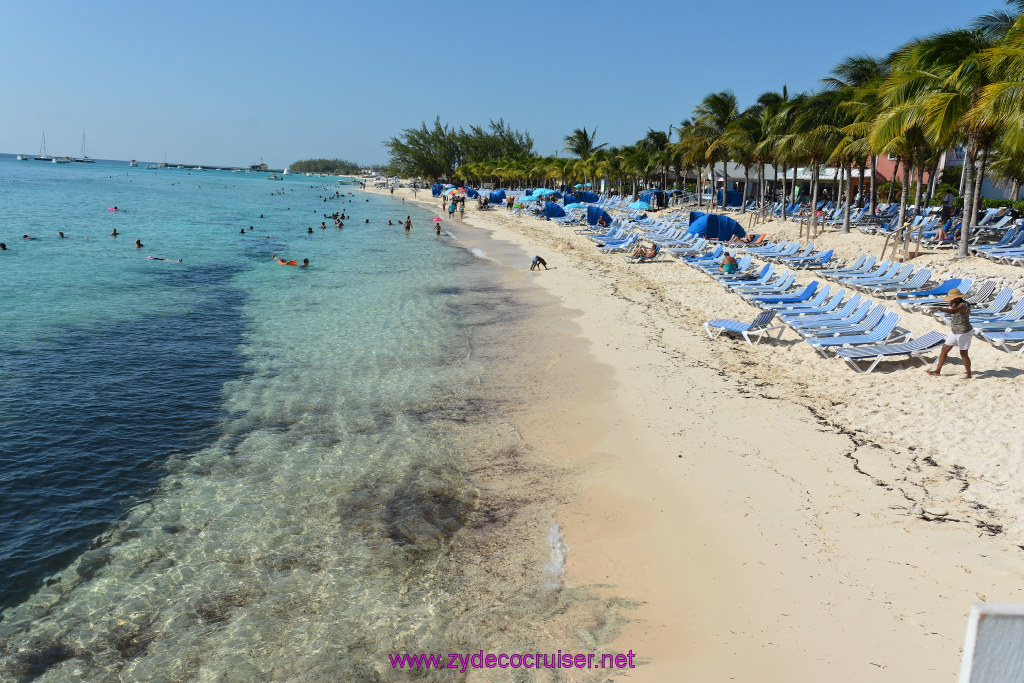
759,326
918,279
1001,340
815,301
640,258
799,297
861,266
885,331
913,348
810,307
836,329
848,308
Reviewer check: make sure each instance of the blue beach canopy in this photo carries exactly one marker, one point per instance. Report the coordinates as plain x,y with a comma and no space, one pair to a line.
656,198
595,213
552,210
498,197
471,193
734,198
569,199
588,197
714,226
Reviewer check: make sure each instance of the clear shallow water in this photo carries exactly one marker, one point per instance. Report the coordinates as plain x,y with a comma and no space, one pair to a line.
230,468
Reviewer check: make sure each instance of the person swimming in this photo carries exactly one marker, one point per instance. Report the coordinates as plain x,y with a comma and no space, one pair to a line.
310,231
61,235
138,244
161,258
114,233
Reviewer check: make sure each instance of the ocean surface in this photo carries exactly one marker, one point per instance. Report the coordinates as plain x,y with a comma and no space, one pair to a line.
229,468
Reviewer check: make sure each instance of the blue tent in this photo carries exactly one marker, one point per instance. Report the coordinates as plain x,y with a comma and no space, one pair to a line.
715,227
735,198
570,199
552,210
694,215
595,213
471,193
588,197
498,197
656,198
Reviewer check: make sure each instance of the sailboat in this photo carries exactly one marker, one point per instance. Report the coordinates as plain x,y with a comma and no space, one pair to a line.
84,159
43,156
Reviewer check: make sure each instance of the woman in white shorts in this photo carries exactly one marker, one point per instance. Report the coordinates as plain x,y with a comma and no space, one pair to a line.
960,331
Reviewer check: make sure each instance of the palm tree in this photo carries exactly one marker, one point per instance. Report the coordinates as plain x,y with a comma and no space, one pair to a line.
581,143
938,83
859,77
711,120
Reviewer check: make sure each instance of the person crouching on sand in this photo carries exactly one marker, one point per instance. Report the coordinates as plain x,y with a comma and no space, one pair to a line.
960,334
537,263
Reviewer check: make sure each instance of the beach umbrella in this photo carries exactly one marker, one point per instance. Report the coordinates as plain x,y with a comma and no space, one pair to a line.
578,185
451,192
528,198
576,205
462,189
590,184
640,205
543,192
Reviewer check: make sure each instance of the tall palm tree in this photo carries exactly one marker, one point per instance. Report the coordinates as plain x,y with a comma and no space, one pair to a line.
581,143
859,77
711,120
938,83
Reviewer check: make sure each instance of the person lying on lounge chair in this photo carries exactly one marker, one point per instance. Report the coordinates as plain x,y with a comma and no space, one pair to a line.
646,252
745,240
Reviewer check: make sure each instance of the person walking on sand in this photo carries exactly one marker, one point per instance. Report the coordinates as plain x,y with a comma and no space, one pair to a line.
960,331
462,209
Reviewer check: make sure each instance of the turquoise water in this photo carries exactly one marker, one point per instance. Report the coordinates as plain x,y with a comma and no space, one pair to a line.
230,468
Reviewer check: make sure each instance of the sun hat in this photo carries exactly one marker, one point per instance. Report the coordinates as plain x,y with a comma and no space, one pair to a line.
954,294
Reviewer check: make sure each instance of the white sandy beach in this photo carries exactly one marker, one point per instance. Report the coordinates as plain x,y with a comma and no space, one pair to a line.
778,517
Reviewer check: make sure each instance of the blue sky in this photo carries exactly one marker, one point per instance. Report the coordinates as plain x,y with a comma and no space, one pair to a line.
228,82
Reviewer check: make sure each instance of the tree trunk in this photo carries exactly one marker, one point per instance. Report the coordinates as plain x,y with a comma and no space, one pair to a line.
936,172
903,207
980,180
746,184
849,196
725,181
917,191
760,188
892,183
814,199
1014,190
967,181
783,195
871,192
917,209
